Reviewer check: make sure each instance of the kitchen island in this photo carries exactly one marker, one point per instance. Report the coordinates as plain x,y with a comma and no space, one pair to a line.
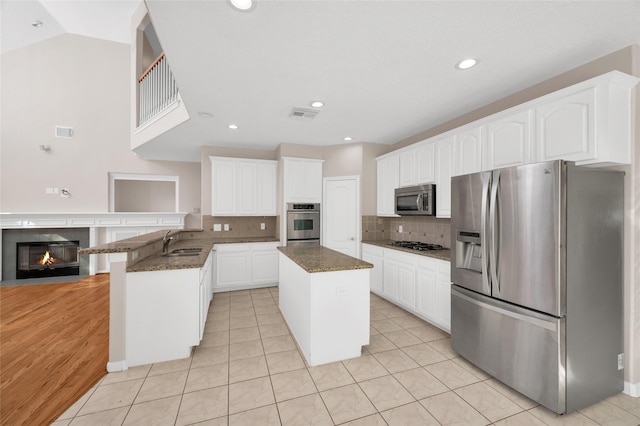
159,302
324,298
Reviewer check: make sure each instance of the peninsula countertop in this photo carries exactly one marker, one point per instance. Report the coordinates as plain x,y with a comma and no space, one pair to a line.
321,259
149,248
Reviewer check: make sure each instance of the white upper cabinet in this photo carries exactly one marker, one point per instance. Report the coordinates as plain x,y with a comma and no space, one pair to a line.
243,187
425,166
468,151
444,159
589,123
388,181
223,178
407,170
566,127
302,180
417,165
266,188
508,141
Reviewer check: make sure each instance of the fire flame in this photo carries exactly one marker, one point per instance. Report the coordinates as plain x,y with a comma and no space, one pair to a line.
47,259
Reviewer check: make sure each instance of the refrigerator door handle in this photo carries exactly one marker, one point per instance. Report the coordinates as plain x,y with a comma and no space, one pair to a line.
486,182
493,224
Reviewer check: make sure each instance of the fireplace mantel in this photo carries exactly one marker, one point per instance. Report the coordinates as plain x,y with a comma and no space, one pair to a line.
89,220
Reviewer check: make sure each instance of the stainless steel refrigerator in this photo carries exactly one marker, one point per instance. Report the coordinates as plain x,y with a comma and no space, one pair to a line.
537,271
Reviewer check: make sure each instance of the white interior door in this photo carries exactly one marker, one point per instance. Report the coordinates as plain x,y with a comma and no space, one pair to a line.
341,214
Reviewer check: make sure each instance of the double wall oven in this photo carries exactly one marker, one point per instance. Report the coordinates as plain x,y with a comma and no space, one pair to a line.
303,223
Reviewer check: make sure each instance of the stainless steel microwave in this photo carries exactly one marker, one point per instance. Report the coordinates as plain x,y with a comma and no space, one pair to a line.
416,200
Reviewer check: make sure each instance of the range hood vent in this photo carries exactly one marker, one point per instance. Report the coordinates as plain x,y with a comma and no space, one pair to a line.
298,113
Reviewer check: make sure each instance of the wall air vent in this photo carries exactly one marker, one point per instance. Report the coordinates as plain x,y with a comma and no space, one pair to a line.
303,113
64,132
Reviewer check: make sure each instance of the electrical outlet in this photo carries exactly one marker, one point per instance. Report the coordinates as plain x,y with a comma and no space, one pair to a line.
217,227
620,361
400,228
226,226
196,210
263,226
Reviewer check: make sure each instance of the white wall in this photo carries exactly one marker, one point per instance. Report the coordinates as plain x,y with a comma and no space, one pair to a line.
83,83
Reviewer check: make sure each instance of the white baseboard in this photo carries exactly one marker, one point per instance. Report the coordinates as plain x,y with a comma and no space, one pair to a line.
632,389
117,366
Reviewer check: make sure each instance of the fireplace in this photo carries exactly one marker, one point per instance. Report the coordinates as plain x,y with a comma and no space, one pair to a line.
38,259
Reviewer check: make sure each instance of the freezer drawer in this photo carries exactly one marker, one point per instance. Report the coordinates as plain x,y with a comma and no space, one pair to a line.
522,348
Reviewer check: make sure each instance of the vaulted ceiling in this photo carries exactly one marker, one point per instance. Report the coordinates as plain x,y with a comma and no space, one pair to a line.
384,69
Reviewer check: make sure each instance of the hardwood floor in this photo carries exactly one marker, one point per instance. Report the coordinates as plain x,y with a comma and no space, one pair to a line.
54,345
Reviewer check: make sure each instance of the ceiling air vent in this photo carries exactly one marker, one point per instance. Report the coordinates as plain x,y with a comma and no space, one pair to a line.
64,132
303,113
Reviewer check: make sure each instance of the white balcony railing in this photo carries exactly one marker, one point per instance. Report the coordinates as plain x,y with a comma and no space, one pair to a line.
157,90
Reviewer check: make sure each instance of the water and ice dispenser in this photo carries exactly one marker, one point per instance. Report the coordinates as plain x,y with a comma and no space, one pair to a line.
469,250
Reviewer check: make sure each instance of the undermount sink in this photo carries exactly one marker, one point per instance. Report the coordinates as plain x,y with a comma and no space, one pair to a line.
190,251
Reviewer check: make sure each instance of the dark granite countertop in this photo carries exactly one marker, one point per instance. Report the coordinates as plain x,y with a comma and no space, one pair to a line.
321,259
150,246
444,254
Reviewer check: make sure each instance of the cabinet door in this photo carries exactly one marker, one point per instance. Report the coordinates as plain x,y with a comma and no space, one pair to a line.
390,282
303,180
407,284
223,177
407,171
427,301
245,188
312,181
264,265
233,266
425,165
204,307
508,141
373,255
388,181
467,150
294,179
565,128
266,189
443,294
444,155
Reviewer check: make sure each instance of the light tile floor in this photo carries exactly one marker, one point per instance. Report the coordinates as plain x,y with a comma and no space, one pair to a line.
248,371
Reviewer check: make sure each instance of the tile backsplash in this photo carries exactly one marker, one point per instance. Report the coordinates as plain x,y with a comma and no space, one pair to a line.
242,226
426,229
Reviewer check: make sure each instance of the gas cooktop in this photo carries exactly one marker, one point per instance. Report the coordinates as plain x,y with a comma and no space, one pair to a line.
415,245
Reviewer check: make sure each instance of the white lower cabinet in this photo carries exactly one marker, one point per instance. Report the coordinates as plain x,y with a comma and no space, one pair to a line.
417,283
165,313
374,255
240,266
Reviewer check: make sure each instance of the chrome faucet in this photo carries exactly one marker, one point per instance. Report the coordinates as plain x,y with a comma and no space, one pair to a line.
165,242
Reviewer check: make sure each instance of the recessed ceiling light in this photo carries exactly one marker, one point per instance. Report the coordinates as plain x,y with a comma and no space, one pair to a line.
243,5
317,104
205,114
465,64
37,24
233,126
348,138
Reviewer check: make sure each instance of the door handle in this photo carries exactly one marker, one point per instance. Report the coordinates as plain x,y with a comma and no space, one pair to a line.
484,242
494,223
